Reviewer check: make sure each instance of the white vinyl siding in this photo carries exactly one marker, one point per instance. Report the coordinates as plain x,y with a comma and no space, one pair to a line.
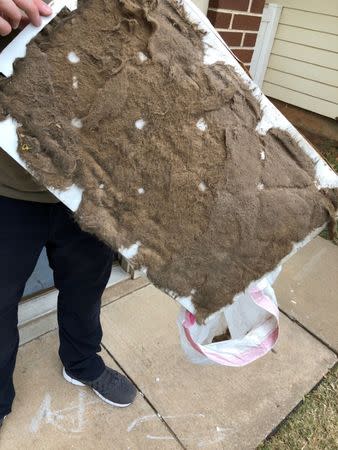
301,68
308,38
313,88
303,64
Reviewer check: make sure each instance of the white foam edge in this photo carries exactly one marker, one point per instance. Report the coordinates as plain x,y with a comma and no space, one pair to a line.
17,47
71,196
131,251
215,50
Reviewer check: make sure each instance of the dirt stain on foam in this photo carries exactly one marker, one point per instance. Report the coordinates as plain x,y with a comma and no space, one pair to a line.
216,239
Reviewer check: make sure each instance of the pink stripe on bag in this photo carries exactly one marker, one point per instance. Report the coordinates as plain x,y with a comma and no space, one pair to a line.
240,360
251,353
194,345
263,301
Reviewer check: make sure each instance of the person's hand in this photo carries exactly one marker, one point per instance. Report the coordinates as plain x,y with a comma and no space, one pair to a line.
15,12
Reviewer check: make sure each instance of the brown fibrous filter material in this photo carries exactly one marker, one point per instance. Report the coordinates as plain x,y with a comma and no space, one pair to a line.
165,148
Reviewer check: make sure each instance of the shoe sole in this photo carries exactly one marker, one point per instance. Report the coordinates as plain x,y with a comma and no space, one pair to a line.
78,383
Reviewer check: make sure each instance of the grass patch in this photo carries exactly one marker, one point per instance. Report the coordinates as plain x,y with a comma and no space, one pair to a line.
324,234
314,424
328,148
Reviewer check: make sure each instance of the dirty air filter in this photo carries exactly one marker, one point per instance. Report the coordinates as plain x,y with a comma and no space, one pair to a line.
170,145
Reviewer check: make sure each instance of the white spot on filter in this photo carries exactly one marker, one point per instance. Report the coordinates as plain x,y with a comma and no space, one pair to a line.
101,186
171,293
9,135
263,156
140,190
142,57
157,379
144,270
139,124
76,122
75,82
202,187
201,125
131,251
292,301
73,58
260,186
193,291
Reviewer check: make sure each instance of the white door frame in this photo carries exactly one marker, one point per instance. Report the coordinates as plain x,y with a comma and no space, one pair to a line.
264,43
203,5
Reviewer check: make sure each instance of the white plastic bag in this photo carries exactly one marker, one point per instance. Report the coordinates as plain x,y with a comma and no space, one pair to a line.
253,322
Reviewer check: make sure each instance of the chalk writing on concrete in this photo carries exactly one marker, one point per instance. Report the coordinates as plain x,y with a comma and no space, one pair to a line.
201,439
70,419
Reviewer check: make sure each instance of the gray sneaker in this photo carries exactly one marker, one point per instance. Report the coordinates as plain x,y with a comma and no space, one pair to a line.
112,387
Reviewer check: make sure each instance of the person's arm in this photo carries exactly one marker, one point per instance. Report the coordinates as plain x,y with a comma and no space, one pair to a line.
13,12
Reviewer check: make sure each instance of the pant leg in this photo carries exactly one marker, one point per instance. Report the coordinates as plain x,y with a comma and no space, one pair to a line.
82,266
23,232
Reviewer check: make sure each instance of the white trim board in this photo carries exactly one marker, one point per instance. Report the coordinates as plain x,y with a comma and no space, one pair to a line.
264,43
203,5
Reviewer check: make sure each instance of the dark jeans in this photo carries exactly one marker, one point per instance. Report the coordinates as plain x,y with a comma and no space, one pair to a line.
81,266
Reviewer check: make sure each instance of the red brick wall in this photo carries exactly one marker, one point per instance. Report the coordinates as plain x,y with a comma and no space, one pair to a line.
237,21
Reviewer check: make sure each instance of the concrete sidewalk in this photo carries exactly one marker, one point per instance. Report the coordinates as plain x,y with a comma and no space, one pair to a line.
180,405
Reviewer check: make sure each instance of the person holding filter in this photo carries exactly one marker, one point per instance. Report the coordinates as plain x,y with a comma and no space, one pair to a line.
32,218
